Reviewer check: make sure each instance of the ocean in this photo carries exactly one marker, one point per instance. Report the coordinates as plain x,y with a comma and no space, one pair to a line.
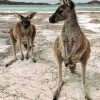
43,8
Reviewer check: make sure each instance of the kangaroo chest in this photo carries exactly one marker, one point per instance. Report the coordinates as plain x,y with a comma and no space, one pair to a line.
25,32
71,42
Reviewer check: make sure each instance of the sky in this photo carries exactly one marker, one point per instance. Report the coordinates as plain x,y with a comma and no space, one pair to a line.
51,1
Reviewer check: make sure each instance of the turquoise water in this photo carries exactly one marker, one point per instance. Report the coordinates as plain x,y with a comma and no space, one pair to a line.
12,8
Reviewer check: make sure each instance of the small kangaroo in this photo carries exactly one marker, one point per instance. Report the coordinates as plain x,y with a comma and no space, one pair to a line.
23,32
72,46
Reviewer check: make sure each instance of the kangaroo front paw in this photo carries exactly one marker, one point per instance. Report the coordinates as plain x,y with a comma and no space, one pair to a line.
72,68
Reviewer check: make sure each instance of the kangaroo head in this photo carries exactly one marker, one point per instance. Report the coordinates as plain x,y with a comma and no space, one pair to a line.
26,21
63,12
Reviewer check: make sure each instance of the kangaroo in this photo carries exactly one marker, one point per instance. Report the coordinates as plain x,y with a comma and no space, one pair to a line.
72,46
23,32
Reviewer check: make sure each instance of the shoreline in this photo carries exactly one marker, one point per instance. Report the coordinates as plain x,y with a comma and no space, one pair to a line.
11,12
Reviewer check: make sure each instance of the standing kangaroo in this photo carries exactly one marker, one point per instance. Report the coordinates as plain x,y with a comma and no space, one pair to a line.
23,32
72,46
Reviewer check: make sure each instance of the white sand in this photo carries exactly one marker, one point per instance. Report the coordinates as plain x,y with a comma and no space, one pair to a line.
25,80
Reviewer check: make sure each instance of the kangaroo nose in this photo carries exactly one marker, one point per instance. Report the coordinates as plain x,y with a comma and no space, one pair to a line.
50,19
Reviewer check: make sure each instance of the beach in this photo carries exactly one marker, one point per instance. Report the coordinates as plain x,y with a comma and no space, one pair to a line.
25,80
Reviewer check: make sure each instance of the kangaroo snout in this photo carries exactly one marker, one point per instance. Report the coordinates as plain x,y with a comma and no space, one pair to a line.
52,19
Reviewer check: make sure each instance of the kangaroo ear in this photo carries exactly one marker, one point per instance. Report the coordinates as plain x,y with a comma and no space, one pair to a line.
19,16
71,4
31,15
64,1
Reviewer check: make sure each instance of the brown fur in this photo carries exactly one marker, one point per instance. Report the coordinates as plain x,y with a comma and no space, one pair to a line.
72,46
17,35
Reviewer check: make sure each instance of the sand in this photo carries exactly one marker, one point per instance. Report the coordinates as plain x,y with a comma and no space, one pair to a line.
25,80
